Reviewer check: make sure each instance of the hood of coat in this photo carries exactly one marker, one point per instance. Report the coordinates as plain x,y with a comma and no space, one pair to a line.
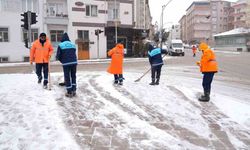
65,37
120,46
203,46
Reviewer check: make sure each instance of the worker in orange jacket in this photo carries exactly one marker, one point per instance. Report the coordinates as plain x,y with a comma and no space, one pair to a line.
194,50
208,66
40,53
116,66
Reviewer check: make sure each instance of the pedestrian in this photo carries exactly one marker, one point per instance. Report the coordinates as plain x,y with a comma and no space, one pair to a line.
208,66
116,65
156,62
66,54
40,53
194,50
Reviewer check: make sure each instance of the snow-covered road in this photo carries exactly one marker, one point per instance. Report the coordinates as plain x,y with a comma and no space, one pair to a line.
133,116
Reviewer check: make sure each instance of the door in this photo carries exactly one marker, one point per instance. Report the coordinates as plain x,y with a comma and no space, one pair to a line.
83,50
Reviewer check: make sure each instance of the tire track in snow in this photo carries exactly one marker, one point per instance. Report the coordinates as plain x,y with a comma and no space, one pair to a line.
208,110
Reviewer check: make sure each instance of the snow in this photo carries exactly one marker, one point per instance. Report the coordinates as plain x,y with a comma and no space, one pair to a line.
34,118
234,32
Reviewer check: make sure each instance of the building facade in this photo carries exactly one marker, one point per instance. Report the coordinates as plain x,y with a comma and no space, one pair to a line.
198,25
79,19
239,14
183,29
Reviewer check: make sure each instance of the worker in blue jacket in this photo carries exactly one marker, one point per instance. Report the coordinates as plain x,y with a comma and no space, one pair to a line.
156,62
66,54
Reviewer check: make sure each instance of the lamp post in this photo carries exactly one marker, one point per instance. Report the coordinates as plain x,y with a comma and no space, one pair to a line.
161,28
116,18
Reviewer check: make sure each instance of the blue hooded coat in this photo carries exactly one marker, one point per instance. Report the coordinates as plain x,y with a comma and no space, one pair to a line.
66,51
154,55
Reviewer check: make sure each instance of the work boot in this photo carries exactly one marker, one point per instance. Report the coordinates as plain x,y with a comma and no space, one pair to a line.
153,82
69,94
116,82
157,81
39,81
74,93
205,97
62,84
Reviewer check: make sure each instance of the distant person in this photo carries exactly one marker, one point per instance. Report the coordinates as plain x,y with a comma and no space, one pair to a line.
208,66
66,54
194,50
40,53
156,62
116,66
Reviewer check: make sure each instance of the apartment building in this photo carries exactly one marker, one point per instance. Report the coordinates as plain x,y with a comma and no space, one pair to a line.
240,13
198,27
183,28
248,14
220,11
79,18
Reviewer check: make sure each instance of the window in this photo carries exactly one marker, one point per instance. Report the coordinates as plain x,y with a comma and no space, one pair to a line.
4,35
56,35
11,5
115,14
4,59
26,58
34,34
113,10
91,10
83,34
55,9
31,5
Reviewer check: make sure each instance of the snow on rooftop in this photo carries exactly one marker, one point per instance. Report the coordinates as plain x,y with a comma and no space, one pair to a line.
234,32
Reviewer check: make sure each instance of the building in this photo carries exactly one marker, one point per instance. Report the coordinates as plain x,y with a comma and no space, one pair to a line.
233,40
219,16
175,32
198,27
248,14
183,28
239,14
80,19
11,33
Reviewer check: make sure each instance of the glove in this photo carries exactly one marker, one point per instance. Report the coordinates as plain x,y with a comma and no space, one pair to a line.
198,63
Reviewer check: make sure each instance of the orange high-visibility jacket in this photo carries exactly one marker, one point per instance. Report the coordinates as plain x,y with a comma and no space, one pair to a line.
117,55
208,59
39,53
194,49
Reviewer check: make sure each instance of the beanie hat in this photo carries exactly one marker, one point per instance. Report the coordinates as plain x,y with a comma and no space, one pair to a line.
42,34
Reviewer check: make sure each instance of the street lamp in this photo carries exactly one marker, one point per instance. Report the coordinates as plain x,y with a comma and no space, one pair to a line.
161,28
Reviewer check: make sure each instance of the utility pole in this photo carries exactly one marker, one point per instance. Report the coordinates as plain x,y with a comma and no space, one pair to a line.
161,28
116,18
29,27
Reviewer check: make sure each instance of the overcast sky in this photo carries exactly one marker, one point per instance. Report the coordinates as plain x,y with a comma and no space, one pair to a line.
172,13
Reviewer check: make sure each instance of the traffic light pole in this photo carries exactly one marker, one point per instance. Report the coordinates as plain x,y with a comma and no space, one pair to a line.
29,29
98,46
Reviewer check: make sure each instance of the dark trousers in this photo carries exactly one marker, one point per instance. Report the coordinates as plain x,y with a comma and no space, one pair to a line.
39,68
207,80
156,72
118,77
70,77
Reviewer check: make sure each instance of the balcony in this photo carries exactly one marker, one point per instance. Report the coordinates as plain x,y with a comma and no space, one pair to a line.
56,13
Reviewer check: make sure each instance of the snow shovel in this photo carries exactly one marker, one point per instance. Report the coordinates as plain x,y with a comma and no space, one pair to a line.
137,80
49,76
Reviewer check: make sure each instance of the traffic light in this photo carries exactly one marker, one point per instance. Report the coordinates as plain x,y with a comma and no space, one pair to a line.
25,24
98,31
26,43
33,18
